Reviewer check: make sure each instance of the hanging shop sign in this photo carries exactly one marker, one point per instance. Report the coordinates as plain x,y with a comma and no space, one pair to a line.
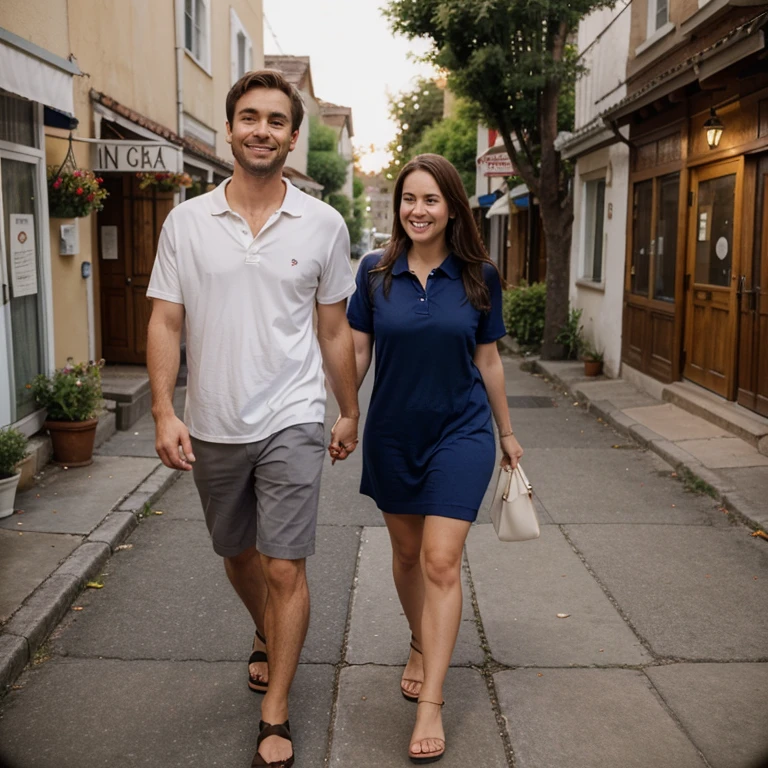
136,157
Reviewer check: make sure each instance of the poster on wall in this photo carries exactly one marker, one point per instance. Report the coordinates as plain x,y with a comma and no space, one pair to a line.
109,243
23,257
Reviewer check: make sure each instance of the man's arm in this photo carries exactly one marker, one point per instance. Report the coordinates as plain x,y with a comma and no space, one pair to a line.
335,338
163,342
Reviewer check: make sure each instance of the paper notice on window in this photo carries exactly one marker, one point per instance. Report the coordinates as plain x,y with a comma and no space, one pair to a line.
23,256
109,243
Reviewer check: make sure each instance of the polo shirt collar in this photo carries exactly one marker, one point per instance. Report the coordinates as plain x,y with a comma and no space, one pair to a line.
293,202
451,266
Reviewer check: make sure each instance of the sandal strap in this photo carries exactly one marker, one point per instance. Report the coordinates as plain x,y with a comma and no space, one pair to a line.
283,730
413,640
261,637
436,703
257,656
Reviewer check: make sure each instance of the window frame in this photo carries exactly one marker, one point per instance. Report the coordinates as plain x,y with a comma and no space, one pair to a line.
202,21
589,240
236,30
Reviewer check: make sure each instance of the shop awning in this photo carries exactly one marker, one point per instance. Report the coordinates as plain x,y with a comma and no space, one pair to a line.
496,162
520,198
36,74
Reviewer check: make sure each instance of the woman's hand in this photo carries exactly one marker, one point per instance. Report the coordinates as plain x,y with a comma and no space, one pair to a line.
512,451
343,438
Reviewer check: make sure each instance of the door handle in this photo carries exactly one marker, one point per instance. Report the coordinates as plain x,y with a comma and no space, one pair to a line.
128,280
742,284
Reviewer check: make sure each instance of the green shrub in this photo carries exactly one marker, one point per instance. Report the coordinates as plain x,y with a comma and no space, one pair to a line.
13,448
571,336
523,310
71,393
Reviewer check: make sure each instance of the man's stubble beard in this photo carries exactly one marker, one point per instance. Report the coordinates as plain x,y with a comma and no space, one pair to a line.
274,167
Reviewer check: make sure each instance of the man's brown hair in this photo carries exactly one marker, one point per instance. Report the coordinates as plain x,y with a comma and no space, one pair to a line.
265,78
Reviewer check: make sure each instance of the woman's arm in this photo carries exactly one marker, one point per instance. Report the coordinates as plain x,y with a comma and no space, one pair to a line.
488,362
363,350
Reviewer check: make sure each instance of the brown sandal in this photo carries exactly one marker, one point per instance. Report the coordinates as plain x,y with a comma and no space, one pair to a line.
256,684
430,757
283,730
406,694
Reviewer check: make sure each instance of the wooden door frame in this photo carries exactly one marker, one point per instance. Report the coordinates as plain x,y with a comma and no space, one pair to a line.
697,175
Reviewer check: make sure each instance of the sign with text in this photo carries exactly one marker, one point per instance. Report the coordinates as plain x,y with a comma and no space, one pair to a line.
496,164
23,254
135,157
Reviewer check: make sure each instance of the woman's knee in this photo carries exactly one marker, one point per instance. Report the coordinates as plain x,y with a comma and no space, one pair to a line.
406,555
442,569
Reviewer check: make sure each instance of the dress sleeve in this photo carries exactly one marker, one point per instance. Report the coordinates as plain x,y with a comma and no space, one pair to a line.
164,282
360,308
491,325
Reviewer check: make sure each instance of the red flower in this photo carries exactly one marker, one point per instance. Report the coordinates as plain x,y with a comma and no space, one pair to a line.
76,173
100,180
90,197
79,191
57,183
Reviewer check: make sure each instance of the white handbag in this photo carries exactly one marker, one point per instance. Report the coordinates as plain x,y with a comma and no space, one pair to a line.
512,511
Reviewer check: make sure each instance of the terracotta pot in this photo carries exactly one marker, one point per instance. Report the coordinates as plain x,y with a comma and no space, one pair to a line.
593,367
72,441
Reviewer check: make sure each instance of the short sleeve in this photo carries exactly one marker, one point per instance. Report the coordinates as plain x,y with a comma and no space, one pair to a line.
336,280
360,308
164,281
491,325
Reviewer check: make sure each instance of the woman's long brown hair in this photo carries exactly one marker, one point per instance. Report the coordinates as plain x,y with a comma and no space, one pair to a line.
461,235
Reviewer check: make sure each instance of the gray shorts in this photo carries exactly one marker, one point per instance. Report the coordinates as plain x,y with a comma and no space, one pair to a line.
264,493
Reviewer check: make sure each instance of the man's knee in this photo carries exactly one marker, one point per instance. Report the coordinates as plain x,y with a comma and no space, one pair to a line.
244,560
283,575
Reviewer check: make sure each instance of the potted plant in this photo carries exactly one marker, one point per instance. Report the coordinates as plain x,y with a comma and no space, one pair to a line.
71,396
593,359
165,182
73,193
13,449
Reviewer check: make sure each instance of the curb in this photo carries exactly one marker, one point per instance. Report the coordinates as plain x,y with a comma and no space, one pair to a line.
42,611
680,460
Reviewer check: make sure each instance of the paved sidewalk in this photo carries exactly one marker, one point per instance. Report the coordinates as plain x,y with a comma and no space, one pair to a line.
661,662
727,467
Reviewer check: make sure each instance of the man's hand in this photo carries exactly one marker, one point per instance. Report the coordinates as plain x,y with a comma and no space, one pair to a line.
172,443
343,438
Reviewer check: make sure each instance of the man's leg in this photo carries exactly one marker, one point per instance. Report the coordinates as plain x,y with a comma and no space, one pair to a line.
287,621
246,576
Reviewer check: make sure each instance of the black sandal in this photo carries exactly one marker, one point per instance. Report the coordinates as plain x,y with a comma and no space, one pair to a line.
283,730
406,695
430,757
256,684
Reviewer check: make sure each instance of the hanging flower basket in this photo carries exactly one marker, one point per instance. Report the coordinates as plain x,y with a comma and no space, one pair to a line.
165,182
74,193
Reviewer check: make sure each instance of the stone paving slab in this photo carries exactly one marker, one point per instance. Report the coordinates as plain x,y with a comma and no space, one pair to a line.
108,713
674,423
562,427
621,394
181,594
379,631
588,718
628,488
521,587
724,452
723,707
76,500
374,723
692,592
26,560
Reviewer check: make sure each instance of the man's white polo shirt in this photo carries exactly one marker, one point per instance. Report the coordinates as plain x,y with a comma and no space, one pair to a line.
254,361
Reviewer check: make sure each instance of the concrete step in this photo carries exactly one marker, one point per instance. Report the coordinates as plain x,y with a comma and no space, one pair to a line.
128,386
749,426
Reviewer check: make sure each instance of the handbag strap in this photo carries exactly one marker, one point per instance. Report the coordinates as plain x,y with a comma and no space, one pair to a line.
510,474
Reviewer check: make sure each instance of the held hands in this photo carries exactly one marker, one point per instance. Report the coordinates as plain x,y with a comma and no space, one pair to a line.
343,438
172,443
511,450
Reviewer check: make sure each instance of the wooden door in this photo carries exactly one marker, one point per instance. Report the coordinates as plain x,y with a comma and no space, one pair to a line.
714,261
753,308
129,228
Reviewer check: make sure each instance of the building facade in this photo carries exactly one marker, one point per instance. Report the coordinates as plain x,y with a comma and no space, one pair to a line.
136,87
696,263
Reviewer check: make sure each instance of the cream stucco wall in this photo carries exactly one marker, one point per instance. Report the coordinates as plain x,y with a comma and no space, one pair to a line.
42,22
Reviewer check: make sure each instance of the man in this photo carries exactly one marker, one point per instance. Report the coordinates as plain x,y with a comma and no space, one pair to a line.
243,268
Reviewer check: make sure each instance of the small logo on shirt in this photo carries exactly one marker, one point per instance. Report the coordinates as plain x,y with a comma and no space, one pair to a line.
294,262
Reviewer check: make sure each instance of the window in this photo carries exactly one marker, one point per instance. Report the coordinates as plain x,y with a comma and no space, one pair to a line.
594,211
658,15
666,238
196,25
241,48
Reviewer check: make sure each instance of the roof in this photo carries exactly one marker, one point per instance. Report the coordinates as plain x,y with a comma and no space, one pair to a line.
301,180
336,115
189,145
295,69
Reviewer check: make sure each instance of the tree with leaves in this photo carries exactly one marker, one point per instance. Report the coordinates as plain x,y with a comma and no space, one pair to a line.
511,58
324,163
413,111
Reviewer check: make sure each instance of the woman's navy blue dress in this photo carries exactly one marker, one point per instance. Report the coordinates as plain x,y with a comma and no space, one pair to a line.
428,444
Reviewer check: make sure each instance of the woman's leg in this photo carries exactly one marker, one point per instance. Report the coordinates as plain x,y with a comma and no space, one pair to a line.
405,533
441,552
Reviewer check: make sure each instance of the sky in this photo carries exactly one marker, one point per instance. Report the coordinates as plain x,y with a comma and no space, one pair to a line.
355,61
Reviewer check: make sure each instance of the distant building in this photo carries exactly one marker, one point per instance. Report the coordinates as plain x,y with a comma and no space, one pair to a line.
378,202
340,119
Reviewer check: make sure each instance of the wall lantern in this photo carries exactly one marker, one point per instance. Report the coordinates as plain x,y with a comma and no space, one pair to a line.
714,128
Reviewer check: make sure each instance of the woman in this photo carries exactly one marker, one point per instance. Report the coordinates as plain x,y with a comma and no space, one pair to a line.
431,302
